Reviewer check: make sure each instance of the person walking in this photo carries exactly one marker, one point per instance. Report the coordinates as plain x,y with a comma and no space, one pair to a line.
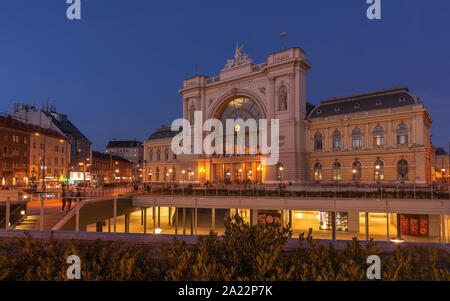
64,197
77,196
70,196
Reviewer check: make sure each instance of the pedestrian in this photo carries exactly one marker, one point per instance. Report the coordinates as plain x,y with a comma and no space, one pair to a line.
64,197
70,195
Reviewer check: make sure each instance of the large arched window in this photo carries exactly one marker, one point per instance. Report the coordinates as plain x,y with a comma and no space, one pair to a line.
337,171
318,141
157,174
158,156
356,170
379,170
150,175
318,172
402,170
336,139
402,134
166,154
239,108
357,138
378,136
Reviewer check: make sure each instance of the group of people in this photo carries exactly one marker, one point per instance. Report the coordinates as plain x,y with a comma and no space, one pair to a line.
68,195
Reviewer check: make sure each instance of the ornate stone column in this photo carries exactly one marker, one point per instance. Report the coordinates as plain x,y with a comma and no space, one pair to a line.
271,99
291,102
389,134
185,108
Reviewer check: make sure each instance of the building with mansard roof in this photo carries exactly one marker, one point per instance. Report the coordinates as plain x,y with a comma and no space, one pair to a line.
376,137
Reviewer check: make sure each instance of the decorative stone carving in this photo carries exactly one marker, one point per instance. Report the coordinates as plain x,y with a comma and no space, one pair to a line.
262,90
239,58
211,100
282,98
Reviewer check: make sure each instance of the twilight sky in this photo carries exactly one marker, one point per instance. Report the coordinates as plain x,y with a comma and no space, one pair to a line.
116,72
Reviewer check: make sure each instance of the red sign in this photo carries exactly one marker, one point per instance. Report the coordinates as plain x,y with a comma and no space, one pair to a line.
268,219
414,226
405,226
424,227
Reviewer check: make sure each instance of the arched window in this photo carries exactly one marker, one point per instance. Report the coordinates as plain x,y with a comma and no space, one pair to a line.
190,174
402,134
150,175
337,171
166,175
150,155
357,138
318,172
402,170
378,136
158,156
318,142
166,154
235,109
280,171
356,170
336,139
379,170
157,174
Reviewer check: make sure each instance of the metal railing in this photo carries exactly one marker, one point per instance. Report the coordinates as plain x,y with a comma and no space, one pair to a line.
285,190
15,217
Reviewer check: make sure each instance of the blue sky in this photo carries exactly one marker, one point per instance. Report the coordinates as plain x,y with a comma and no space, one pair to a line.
116,72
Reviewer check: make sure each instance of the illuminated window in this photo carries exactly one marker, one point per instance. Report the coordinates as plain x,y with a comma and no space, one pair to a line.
318,172
379,170
337,171
356,170
378,136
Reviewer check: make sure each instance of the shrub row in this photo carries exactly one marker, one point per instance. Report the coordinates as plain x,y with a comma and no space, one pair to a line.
244,253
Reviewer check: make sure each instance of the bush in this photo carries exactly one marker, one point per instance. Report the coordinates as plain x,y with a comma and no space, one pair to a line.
244,253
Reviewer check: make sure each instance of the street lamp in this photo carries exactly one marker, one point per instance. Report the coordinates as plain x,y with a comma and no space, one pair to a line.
202,172
43,161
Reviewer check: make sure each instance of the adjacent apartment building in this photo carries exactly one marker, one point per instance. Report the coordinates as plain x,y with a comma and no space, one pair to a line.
49,118
109,169
131,150
31,154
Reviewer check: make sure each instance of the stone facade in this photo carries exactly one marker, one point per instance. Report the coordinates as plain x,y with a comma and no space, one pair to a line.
393,128
160,164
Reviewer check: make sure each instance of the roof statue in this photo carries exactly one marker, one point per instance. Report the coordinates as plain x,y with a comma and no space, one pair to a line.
239,58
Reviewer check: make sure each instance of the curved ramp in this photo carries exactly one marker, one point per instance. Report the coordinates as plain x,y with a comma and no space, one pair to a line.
93,211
